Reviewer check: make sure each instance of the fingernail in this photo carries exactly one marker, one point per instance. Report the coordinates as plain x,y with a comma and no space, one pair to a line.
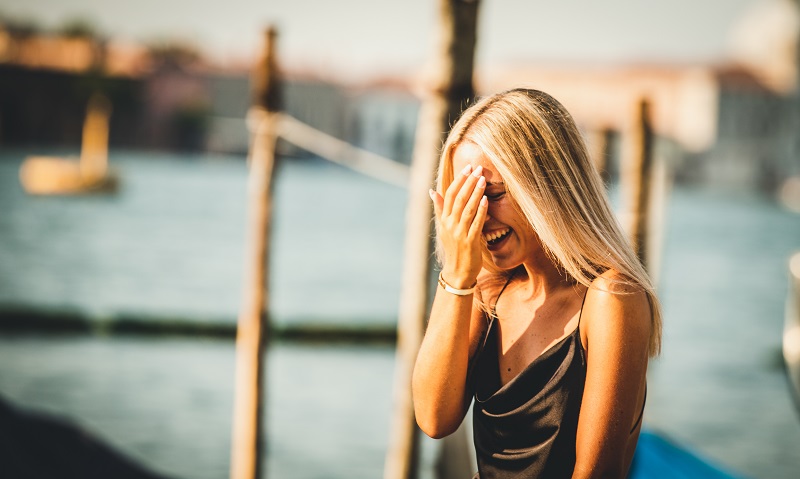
484,201
466,169
477,171
481,182
430,193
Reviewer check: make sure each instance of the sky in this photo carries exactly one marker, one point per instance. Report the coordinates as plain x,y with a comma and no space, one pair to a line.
374,37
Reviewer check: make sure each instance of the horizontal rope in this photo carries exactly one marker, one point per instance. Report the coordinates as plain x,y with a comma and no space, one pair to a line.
333,149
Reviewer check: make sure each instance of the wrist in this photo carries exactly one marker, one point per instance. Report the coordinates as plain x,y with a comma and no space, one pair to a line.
456,280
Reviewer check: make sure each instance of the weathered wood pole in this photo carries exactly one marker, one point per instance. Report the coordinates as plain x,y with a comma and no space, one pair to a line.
449,90
637,175
94,146
248,431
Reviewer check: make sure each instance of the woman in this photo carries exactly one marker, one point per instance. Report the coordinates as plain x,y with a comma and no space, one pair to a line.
544,314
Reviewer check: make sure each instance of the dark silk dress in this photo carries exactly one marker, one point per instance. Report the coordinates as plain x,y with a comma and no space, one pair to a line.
527,428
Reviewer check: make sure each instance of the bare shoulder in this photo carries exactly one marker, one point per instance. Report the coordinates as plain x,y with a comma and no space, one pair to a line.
613,287
615,304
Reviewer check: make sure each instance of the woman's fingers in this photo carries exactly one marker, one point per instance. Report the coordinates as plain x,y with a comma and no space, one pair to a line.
471,206
476,227
452,190
455,187
460,215
466,192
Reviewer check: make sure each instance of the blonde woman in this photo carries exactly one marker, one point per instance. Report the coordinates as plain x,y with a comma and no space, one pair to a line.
544,315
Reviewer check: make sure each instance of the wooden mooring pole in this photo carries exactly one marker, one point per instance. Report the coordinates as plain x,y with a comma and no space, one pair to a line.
637,173
94,144
449,91
247,442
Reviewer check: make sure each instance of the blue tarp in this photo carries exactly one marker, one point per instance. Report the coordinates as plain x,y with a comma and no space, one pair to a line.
660,458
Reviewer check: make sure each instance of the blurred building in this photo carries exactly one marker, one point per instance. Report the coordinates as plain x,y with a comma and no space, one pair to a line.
45,51
715,124
385,120
168,97
320,104
733,124
380,117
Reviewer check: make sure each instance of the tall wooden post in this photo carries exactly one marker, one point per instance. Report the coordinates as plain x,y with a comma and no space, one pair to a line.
248,434
637,175
449,90
94,144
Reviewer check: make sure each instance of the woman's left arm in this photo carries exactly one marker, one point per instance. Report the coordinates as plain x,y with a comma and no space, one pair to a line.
615,324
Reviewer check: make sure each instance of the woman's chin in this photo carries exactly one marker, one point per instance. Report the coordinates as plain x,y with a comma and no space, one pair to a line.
502,261
502,253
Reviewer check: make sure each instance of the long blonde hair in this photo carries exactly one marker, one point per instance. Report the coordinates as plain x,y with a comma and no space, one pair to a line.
536,147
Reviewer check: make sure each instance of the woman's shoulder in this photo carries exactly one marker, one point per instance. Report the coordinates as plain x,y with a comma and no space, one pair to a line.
613,285
618,302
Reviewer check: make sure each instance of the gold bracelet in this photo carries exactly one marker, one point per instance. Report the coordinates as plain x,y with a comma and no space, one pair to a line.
456,291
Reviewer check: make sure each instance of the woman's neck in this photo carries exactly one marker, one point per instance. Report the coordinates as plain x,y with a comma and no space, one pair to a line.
540,277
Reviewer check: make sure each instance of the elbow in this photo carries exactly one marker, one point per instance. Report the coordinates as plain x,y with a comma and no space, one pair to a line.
433,419
435,412
435,428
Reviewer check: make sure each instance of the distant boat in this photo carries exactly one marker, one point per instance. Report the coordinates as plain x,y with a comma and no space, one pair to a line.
52,175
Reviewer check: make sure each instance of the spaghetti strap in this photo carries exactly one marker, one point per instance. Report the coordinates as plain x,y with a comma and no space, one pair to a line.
583,303
494,307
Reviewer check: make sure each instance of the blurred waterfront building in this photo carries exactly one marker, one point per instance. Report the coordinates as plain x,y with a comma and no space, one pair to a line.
385,119
380,117
229,100
74,54
734,124
717,125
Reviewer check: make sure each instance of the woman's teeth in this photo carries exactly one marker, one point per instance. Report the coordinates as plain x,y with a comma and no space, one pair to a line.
496,236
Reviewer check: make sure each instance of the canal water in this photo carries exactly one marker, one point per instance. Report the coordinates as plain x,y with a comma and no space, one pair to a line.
170,244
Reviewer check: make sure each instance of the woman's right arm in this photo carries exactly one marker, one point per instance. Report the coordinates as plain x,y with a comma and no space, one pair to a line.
439,382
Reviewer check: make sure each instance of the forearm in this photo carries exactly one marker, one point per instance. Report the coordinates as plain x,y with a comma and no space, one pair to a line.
440,373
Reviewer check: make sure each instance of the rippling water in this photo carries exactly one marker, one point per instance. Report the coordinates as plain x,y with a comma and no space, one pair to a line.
171,244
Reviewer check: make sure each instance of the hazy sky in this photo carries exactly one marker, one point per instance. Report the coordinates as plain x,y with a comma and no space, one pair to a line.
364,36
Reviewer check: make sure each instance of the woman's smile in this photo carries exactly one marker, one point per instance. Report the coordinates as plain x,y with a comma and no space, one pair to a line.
496,237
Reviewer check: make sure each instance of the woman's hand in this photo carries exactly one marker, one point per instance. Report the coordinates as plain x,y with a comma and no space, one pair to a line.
461,214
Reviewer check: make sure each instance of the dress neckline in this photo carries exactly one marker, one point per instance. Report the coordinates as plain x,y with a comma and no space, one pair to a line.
547,353
552,349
